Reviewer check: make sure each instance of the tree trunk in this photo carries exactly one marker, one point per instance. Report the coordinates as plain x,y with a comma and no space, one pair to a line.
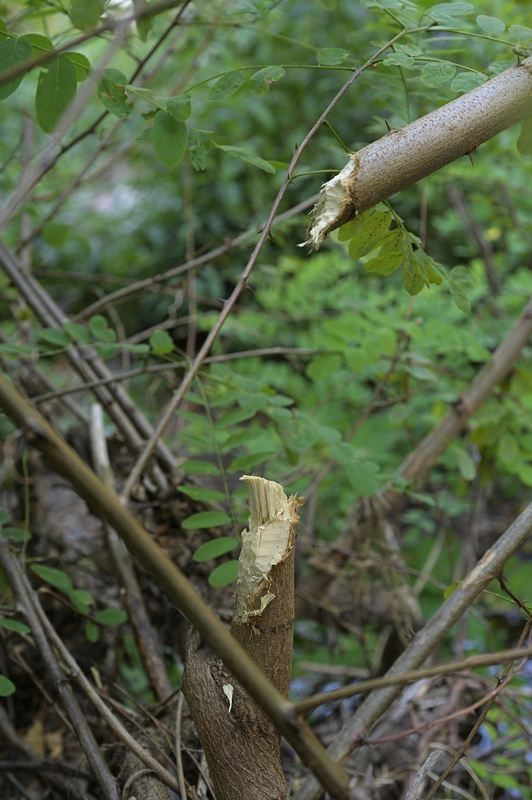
241,745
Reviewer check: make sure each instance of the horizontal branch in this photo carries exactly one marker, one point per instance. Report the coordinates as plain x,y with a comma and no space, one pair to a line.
403,157
482,660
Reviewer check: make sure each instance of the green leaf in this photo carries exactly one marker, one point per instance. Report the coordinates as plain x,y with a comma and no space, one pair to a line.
436,74
16,534
466,465
364,477
86,13
234,417
450,13
331,56
169,137
14,625
246,156
226,86
524,142
98,324
205,519
202,493
7,687
413,276
92,631
520,34
144,24
106,350
56,88
429,268
40,44
81,64
5,516
55,233
179,107
81,599
365,232
113,95
460,284
78,333
13,51
224,574
399,60
394,252
55,577
323,366
465,81
161,343
53,336
492,25
195,467
505,781
244,463
215,548
263,78
111,616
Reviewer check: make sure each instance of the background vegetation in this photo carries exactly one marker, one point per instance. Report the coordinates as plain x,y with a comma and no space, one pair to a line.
353,370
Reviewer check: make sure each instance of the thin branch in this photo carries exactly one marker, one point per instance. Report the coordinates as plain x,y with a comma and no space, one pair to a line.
428,638
147,639
174,404
34,172
261,352
130,421
472,662
51,154
110,25
64,690
107,505
501,681
152,283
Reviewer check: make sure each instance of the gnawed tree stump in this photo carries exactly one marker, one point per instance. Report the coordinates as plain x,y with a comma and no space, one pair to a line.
241,745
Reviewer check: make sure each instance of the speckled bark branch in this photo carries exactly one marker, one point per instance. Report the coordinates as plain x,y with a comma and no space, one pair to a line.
403,157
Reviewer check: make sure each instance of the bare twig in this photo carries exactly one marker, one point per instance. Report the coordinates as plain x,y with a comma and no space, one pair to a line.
64,691
192,264
261,352
178,754
132,424
482,660
425,642
501,681
170,578
147,639
174,403
34,172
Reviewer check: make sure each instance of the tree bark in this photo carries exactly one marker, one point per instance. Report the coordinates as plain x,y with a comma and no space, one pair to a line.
403,157
241,745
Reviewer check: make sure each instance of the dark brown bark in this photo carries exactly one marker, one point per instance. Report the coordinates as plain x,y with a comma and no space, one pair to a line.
241,745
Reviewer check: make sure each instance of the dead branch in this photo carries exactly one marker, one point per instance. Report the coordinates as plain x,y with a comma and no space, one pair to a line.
61,685
425,642
107,505
147,639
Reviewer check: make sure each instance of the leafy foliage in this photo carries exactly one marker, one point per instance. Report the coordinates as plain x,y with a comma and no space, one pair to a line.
362,348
